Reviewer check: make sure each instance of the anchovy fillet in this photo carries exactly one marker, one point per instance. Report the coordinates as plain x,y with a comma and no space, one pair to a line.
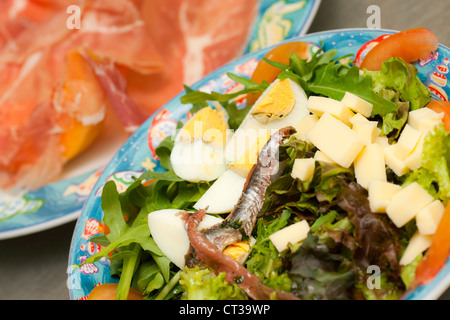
241,221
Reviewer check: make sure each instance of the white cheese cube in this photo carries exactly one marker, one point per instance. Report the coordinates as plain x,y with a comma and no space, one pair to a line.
390,156
358,118
369,165
382,141
393,161
303,169
336,140
320,156
407,141
291,234
429,217
357,104
407,203
319,105
367,130
304,126
380,195
417,244
424,119
413,161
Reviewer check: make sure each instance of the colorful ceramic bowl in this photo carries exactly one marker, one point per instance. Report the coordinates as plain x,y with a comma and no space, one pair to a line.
137,154
60,202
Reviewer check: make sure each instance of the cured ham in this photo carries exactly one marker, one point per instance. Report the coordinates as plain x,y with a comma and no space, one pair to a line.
59,84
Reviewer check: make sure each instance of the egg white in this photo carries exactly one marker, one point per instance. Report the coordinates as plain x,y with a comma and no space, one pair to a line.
198,161
250,128
169,233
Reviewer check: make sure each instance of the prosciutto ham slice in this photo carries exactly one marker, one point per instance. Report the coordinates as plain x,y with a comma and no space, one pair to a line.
128,57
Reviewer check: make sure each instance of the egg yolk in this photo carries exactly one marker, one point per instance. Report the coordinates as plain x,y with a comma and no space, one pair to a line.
249,158
276,103
208,124
237,250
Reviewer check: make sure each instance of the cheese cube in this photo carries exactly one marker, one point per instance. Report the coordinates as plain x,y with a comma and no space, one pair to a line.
369,165
320,156
380,195
319,105
304,126
367,130
407,203
391,156
358,118
291,234
424,119
336,140
417,244
413,161
393,161
357,104
429,217
383,141
407,141
303,169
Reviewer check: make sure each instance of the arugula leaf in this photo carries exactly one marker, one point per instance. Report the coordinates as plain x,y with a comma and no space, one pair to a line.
196,97
111,204
334,81
264,260
163,151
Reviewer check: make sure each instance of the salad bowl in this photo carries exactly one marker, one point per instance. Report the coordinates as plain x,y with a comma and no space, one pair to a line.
61,201
138,153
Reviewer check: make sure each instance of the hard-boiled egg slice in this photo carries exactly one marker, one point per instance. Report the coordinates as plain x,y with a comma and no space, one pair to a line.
282,104
168,230
240,250
223,194
198,152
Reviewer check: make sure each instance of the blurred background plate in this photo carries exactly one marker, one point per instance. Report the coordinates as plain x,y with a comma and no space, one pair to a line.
137,156
60,202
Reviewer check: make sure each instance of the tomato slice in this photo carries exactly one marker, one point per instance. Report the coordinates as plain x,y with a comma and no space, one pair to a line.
437,254
410,45
281,54
442,106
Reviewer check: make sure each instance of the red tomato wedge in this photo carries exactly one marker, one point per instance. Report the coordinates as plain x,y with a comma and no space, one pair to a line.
281,54
442,106
437,254
410,45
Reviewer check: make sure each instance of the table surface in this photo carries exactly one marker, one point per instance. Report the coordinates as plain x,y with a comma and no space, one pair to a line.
33,267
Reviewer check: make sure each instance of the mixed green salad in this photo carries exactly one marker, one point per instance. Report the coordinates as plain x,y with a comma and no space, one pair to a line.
345,236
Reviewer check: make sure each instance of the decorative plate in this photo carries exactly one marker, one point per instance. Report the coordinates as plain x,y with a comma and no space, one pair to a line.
137,154
60,202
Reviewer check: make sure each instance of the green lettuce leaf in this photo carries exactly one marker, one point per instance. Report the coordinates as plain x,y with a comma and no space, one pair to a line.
320,272
436,159
399,76
397,81
202,284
